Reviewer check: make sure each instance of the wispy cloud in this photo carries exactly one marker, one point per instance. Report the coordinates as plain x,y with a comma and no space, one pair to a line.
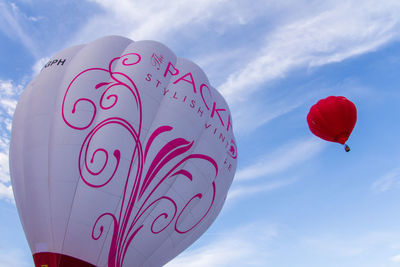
6,192
297,36
395,258
246,190
281,160
142,20
11,23
8,95
331,34
388,181
354,249
334,245
276,162
13,257
262,244
248,118
4,170
244,246
37,67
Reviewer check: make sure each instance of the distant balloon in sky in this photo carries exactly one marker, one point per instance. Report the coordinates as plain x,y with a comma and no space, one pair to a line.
121,155
333,119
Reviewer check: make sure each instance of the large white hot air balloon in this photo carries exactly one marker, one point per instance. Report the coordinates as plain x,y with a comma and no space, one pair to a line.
121,155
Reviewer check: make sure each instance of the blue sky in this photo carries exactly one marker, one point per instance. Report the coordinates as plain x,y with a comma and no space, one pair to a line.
295,200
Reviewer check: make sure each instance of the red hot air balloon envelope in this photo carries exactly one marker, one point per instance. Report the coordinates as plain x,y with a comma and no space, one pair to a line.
121,155
333,119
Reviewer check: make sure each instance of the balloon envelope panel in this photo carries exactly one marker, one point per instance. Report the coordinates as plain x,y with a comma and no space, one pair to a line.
121,155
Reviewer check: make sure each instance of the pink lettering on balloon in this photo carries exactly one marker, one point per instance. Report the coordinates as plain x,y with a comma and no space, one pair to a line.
190,80
171,70
216,111
202,94
229,126
156,60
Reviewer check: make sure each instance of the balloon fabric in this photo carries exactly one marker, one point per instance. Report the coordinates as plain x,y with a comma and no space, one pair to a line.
121,154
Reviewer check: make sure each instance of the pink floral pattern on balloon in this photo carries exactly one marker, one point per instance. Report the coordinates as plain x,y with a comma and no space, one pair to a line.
98,166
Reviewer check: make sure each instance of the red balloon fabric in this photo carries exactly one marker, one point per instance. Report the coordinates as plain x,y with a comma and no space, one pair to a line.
333,119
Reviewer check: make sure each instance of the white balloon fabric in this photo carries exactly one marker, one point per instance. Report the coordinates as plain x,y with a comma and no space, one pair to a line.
121,155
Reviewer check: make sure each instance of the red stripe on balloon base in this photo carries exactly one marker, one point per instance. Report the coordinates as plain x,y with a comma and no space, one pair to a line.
50,259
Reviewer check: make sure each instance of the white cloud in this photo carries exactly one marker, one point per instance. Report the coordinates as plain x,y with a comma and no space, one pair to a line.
278,161
35,19
263,245
281,160
388,181
143,20
244,246
10,24
6,88
4,169
287,35
247,118
245,190
333,34
9,105
8,95
350,249
37,67
6,192
333,245
395,258
203,21
13,257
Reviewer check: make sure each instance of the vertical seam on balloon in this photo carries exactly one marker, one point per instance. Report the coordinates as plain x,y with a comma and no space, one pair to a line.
208,214
77,183
146,137
170,188
49,150
120,197
23,158
134,161
112,67
137,187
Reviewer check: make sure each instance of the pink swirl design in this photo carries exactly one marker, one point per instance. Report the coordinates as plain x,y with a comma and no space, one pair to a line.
98,166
